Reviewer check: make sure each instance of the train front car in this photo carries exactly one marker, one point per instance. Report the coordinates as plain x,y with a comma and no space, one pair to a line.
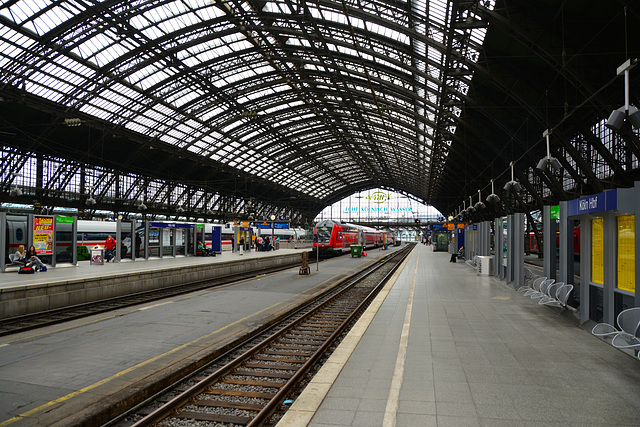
325,237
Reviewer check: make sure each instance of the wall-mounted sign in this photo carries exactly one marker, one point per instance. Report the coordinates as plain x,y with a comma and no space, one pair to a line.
605,201
264,225
170,225
377,209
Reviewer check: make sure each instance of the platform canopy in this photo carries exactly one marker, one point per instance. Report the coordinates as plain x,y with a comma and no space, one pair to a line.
292,105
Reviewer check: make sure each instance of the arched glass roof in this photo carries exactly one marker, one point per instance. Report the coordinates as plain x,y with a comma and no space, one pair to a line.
291,106
322,97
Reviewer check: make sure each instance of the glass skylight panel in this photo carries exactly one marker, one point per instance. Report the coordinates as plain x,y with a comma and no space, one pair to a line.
22,10
210,11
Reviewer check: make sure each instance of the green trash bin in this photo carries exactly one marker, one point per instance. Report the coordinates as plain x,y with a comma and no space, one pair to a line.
356,250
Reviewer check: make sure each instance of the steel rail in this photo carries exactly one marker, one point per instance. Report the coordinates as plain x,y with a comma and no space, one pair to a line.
172,407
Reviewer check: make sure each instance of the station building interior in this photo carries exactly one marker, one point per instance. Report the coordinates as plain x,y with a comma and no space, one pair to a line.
516,119
242,111
515,125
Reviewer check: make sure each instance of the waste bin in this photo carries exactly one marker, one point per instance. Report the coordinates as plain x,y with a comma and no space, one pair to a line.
485,265
356,250
97,255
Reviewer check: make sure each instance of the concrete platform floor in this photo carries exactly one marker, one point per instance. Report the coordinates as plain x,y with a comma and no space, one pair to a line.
445,347
63,374
85,270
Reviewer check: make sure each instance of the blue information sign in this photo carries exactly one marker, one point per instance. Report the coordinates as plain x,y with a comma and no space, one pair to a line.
605,201
269,225
170,225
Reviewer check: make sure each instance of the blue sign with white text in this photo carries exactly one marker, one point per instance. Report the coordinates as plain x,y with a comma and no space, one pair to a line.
605,201
268,225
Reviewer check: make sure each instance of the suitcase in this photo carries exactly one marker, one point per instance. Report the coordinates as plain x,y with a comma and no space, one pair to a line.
26,270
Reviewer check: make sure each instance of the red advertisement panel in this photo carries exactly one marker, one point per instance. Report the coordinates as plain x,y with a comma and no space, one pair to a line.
43,234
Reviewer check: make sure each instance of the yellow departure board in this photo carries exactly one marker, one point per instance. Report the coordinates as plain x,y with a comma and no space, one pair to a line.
597,250
627,253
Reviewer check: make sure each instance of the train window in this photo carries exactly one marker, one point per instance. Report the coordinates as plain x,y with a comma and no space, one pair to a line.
19,234
324,234
63,236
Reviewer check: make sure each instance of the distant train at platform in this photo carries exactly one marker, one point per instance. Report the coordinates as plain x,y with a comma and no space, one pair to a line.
335,237
535,248
92,233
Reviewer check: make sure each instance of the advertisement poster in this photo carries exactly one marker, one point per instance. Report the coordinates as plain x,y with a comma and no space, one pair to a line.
43,234
597,250
505,241
627,253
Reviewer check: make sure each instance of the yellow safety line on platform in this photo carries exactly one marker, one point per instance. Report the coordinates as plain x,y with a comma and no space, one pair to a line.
146,362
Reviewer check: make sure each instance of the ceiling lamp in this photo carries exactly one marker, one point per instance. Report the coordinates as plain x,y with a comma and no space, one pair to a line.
512,185
15,191
627,111
91,201
493,197
140,205
74,122
548,160
180,209
479,205
470,209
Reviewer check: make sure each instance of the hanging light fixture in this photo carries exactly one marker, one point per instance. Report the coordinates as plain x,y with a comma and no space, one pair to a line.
470,209
479,205
15,191
548,160
493,197
512,185
627,111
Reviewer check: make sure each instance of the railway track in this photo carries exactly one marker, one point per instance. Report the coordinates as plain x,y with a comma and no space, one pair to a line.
251,385
13,325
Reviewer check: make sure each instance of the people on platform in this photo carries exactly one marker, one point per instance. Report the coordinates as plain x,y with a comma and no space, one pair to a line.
455,256
20,255
203,250
138,244
110,247
241,244
31,258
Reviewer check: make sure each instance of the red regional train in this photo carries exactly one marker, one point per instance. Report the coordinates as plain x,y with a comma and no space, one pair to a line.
335,237
533,242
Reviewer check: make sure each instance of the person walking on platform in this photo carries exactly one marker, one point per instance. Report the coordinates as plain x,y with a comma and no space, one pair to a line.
110,246
138,244
241,244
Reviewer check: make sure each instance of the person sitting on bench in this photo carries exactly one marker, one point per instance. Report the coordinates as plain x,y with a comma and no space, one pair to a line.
18,257
32,258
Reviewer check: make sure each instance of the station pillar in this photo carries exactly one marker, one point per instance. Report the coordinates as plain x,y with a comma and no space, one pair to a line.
518,250
567,241
549,230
